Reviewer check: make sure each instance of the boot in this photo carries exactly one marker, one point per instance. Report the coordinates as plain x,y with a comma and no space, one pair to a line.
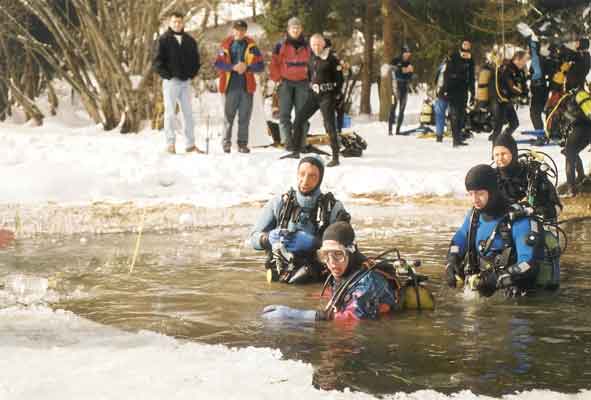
440,139
334,162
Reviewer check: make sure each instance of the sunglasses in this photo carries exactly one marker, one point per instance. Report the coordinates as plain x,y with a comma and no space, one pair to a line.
337,256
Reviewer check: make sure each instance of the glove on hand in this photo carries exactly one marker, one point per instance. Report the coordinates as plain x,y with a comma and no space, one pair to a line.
279,312
300,241
275,236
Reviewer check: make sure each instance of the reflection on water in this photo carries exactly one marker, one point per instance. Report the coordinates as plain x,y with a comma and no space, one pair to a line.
207,286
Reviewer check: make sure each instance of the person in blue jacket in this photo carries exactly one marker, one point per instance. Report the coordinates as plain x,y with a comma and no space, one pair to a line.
290,226
357,293
497,247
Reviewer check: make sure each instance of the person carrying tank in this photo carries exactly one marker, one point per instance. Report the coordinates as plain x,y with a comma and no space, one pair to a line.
361,288
497,248
402,73
541,68
509,86
524,180
291,225
325,92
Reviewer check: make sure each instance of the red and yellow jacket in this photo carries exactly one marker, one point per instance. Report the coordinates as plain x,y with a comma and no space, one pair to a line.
252,57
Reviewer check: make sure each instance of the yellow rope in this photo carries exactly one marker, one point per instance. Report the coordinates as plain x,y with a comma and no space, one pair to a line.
137,242
552,113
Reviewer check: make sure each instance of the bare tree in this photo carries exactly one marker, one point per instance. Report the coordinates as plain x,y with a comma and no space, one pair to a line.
103,49
368,52
388,54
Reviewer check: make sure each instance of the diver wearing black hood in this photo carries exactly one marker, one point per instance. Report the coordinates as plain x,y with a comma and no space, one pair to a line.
492,249
294,223
523,181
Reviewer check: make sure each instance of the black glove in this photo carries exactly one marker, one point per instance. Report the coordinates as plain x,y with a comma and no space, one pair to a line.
452,271
487,282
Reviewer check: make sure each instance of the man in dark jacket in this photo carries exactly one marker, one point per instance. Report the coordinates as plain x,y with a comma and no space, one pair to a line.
289,68
581,63
509,84
177,62
402,72
326,81
458,83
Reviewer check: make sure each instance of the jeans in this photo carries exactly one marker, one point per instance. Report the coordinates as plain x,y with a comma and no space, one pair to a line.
237,101
174,90
440,108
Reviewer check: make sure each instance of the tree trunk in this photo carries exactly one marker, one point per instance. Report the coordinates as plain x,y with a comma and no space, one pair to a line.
386,76
366,73
27,104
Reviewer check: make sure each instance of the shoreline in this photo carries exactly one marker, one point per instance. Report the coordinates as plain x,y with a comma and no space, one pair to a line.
29,220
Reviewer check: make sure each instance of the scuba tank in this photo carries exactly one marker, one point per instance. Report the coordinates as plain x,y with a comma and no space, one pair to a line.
408,286
484,78
427,116
583,99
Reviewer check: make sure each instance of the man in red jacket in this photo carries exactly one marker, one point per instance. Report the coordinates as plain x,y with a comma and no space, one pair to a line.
289,67
238,60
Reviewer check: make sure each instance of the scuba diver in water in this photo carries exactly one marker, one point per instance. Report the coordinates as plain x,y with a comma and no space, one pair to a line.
498,246
291,225
362,288
524,179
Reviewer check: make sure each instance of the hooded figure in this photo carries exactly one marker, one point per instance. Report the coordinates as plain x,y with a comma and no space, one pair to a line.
366,294
402,73
493,249
514,176
295,221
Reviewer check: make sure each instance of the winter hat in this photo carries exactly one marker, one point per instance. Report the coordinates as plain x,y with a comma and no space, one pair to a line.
294,21
583,44
318,163
405,49
341,232
507,141
482,177
240,25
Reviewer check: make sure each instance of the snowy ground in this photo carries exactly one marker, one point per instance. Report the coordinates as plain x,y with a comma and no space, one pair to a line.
70,161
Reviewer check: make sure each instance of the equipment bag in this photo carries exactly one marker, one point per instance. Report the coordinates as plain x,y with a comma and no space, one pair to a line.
427,116
353,145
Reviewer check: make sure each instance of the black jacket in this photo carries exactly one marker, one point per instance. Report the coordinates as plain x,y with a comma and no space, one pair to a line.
510,82
325,71
401,77
458,78
176,61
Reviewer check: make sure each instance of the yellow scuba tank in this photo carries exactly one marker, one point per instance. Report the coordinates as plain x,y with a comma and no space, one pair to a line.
427,117
484,77
559,77
583,99
417,297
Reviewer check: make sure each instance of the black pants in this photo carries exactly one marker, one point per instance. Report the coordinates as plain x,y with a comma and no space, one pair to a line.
457,116
539,96
579,138
503,113
327,104
400,101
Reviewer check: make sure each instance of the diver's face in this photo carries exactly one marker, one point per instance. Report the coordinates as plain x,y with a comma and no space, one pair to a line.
502,156
336,260
308,177
479,198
